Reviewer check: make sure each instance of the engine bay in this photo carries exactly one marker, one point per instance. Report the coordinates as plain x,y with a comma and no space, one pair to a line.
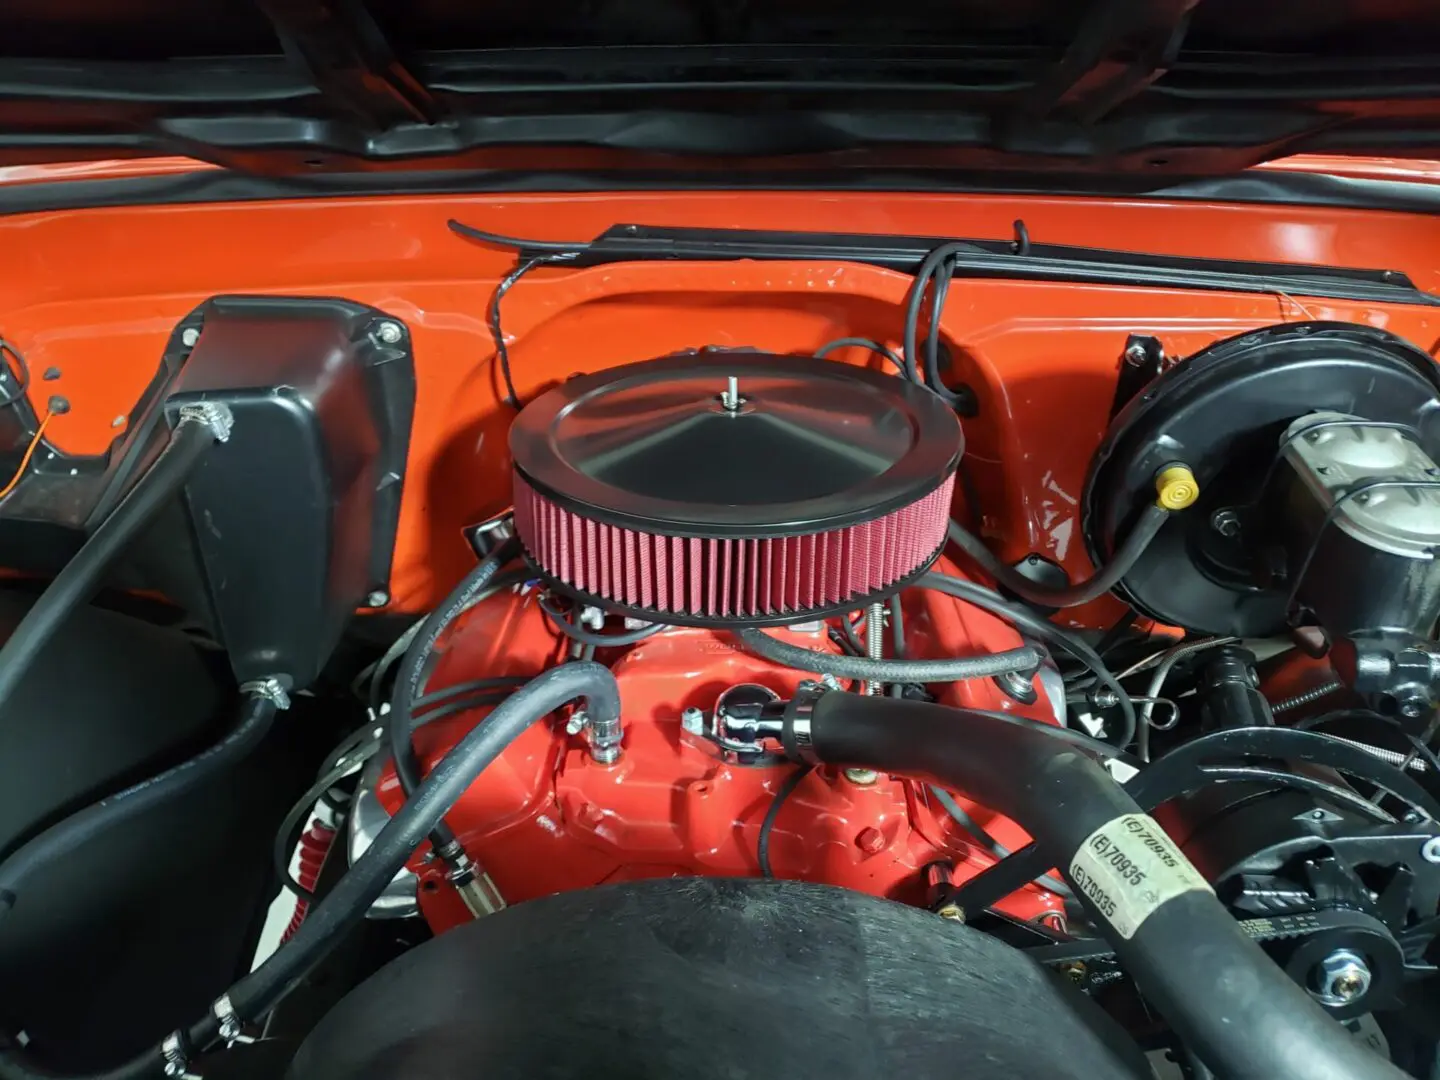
1016,650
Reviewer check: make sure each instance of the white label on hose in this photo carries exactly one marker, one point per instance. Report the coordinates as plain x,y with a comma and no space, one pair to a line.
1128,867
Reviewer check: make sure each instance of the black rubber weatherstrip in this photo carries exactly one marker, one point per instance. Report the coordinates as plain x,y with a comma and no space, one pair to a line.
983,259
1255,187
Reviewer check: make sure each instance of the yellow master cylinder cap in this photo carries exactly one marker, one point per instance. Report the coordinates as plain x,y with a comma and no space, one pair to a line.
1176,487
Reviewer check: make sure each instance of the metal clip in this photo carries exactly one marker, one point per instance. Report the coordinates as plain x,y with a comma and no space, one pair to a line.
797,717
231,1028
272,687
215,415
177,1062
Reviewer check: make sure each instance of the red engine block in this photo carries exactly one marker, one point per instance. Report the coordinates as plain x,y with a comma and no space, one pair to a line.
546,818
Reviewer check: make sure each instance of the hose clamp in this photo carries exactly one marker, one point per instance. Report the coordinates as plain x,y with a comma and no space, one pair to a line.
232,1030
177,1062
215,415
272,688
797,737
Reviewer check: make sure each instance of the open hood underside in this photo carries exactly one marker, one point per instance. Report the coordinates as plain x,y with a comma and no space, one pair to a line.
1130,94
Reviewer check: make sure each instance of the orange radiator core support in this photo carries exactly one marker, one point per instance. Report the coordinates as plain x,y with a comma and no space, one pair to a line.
546,818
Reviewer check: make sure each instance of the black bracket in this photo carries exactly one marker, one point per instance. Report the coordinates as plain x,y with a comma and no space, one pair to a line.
1142,360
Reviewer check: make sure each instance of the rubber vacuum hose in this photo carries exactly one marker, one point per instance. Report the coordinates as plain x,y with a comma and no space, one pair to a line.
1082,592
1039,627
254,995
411,676
1026,658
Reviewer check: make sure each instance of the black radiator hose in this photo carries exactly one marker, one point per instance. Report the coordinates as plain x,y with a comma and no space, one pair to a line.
260,991
60,840
257,714
1225,997
200,427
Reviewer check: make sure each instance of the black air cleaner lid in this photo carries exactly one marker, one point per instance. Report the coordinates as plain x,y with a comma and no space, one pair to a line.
809,445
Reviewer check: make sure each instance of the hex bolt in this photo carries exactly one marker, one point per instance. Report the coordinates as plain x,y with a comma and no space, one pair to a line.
1430,850
693,720
1342,978
390,333
870,840
1135,354
378,598
1226,523
1349,985
862,777
189,336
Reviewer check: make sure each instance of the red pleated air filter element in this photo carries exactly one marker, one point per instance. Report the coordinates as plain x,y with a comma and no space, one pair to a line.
734,487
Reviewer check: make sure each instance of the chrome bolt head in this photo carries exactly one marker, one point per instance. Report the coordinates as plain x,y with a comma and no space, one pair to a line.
1342,978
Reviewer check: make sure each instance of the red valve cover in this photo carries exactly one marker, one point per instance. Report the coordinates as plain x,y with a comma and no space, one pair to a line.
545,818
